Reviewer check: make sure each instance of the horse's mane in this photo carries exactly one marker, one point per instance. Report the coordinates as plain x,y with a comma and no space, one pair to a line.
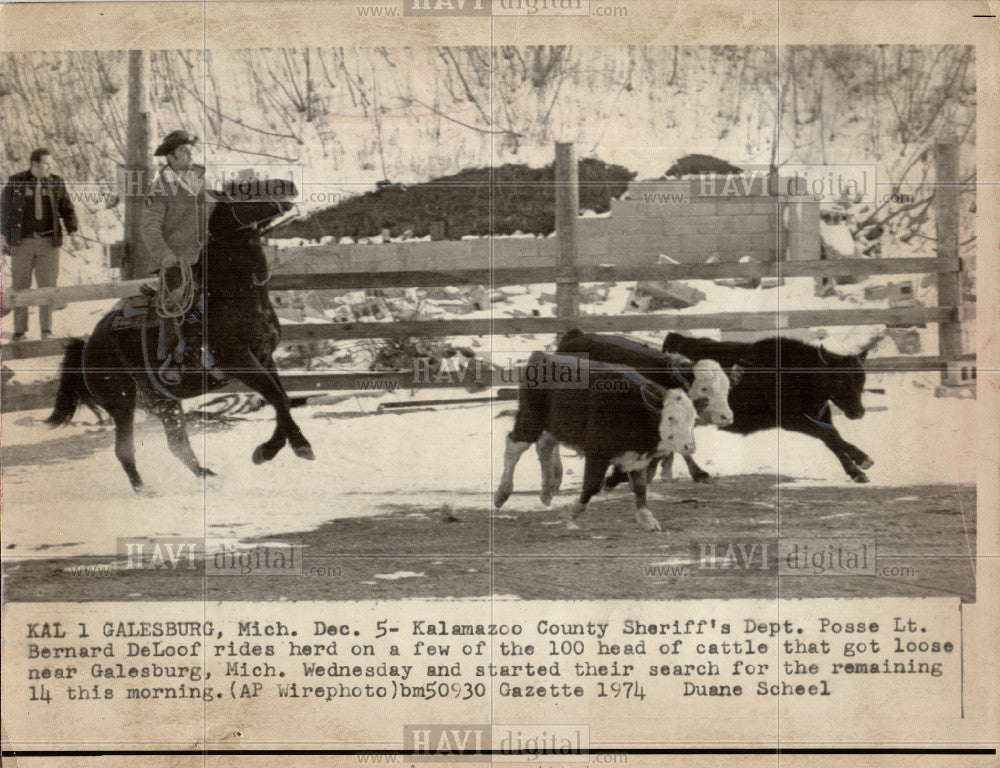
236,212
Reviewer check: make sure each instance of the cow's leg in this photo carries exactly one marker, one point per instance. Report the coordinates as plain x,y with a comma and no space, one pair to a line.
551,464
667,471
171,415
643,516
651,470
594,469
824,431
698,474
616,478
557,470
511,455
859,457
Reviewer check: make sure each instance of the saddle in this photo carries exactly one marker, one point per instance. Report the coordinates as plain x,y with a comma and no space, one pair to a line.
175,360
136,311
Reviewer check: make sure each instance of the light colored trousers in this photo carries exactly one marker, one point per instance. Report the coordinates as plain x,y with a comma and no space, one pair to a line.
38,256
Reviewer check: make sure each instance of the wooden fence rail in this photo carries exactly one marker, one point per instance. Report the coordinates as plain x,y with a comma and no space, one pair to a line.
567,272
514,276
532,275
734,321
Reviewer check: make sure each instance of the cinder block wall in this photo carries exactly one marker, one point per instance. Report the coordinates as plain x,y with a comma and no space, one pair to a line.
663,217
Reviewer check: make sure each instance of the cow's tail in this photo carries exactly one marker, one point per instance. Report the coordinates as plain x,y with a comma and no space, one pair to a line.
72,390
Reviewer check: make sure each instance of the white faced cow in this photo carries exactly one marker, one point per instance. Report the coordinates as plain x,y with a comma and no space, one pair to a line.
706,383
613,415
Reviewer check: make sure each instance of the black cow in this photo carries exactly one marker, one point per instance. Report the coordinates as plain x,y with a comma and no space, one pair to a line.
614,417
810,378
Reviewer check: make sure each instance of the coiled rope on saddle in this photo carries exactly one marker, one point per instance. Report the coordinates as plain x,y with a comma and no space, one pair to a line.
175,304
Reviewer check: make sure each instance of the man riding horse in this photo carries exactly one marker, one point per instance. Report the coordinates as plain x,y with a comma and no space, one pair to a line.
174,225
124,356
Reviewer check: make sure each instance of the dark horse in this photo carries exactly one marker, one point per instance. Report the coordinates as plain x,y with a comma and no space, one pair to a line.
239,330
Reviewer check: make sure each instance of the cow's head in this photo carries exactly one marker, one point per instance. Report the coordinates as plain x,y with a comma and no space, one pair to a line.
677,417
845,383
710,392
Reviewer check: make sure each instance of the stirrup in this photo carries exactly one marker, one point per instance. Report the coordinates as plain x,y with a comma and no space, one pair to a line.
208,362
169,373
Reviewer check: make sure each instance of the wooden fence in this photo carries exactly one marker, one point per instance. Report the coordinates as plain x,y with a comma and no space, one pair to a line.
555,260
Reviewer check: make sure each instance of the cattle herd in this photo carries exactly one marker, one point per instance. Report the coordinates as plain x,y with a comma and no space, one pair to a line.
627,407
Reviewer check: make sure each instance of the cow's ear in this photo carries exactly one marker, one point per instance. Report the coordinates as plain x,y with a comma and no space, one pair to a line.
735,374
653,396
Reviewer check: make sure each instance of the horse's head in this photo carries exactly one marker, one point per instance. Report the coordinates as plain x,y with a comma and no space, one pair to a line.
250,209
240,215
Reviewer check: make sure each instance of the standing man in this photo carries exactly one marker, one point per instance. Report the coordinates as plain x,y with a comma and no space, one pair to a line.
34,206
173,227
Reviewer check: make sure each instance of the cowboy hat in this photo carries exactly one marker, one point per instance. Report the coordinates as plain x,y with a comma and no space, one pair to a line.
175,140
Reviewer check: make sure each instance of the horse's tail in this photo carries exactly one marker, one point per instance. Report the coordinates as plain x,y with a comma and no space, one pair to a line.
72,389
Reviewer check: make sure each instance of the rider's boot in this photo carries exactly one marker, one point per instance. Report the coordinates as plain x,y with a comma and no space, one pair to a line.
171,371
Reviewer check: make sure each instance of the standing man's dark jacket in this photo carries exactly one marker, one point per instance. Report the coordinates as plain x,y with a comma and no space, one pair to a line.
16,198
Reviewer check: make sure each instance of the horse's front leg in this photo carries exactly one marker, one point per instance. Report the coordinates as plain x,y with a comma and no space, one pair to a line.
270,447
262,377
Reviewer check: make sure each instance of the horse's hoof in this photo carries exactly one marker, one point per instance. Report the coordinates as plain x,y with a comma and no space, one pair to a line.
259,455
861,477
145,491
703,478
304,452
546,498
868,463
499,498
204,472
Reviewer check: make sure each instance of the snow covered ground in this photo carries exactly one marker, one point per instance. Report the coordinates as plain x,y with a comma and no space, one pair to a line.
64,492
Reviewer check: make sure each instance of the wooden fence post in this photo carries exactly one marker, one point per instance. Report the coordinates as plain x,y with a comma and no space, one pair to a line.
946,196
567,213
136,177
803,232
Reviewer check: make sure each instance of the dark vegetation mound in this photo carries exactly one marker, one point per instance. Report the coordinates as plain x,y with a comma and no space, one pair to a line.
523,199
701,164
